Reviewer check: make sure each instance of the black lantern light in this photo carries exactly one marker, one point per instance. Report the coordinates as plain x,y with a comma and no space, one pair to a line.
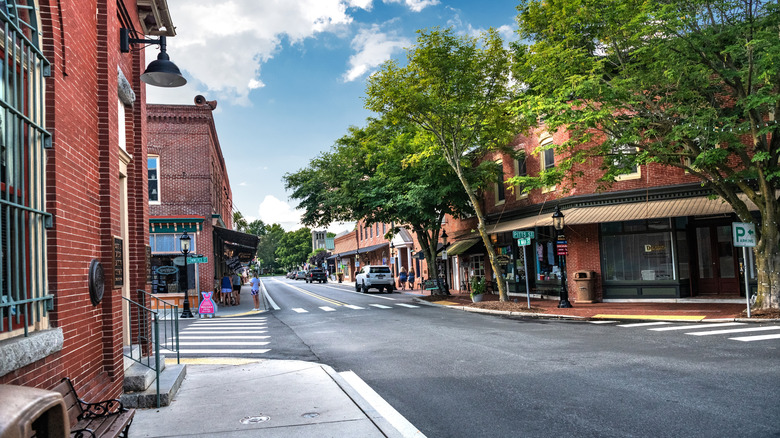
185,242
161,72
559,224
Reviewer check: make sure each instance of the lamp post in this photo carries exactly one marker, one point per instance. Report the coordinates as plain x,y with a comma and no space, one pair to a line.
558,223
185,241
444,237
392,257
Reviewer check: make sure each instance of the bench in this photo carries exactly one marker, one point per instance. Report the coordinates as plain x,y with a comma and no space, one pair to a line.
107,418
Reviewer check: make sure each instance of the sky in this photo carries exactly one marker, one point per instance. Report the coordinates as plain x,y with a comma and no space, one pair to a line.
289,77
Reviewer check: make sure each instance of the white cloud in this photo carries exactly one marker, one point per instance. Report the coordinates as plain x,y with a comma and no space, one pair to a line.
373,47
275,211
220,46
415,5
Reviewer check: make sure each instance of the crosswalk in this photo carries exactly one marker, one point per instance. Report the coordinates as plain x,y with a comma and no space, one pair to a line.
244,337
353,307
727,329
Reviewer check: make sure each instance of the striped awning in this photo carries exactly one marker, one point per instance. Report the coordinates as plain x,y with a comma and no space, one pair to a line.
696,206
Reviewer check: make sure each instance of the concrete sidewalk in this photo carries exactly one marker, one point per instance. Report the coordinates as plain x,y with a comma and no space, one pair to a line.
272,398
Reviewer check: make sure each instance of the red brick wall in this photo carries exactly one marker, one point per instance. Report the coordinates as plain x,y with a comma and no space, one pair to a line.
81,42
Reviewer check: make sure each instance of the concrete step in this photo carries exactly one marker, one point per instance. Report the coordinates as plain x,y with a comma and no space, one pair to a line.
139,376
170,381
132,351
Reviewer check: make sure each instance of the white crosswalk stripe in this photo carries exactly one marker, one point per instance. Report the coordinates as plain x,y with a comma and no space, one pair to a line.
409,306
216,337
379,306
353,307
299,310
643,324
728,331
756,338
706,329
697,326
328,309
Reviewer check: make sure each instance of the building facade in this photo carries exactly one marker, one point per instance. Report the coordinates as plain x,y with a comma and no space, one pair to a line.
74,189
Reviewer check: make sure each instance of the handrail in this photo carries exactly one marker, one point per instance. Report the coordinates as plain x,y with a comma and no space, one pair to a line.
145,331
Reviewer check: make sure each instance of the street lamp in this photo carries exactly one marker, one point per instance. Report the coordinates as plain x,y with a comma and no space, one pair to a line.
558,224
392,257
185,241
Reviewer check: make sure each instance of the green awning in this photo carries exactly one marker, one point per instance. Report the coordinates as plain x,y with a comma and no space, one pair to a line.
461,246
175,224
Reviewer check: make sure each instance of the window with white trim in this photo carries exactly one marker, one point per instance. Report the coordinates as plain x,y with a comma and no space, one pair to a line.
520,170
547,158
622,158
499,188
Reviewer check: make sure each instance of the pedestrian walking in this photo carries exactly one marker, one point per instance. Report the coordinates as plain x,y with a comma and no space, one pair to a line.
402,278
411,279
255,282
226,289
237,288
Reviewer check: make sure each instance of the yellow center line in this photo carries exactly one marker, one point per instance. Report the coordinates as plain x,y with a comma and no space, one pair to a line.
319,297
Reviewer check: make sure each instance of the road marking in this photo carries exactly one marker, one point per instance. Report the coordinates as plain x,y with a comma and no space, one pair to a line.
602,322
360,293
650,317
223,351
411,306
384,408
697,326
757,338
299,310
220,342
643,324
221,329
224,332
188,337
312,294
211,326
379,306
742,330
353,307
268,296
328,309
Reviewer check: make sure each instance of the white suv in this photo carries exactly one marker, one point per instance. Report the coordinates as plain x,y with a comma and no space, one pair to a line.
376,276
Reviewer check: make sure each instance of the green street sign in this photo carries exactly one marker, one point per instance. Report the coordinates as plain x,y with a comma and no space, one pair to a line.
194,260
743,234
523,234
524,241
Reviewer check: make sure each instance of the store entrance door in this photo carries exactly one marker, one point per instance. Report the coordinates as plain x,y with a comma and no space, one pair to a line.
717,262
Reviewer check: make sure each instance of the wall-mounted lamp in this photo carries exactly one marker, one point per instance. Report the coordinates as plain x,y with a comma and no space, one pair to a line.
160,72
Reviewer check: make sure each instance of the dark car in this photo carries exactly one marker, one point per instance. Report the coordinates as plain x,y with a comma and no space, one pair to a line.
316,275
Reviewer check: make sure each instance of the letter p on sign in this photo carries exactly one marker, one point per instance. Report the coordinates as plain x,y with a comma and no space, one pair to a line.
743,234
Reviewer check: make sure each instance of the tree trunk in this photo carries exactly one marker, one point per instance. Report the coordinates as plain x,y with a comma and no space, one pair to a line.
502,296
767,253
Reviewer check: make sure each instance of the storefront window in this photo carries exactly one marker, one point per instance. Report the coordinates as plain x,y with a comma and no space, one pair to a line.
638,255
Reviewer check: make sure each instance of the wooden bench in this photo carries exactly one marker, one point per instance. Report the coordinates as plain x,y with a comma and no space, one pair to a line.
107,418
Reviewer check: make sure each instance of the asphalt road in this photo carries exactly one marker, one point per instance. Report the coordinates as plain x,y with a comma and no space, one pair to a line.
459,374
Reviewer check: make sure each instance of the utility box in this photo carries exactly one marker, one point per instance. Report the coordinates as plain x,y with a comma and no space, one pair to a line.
26,412
585,281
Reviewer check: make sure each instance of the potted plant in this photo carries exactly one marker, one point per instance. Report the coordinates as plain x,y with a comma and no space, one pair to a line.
477,289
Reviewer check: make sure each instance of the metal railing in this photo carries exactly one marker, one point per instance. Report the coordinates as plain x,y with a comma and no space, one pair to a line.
154,326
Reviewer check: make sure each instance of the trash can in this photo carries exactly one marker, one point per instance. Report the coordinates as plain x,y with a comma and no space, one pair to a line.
29,411
585,286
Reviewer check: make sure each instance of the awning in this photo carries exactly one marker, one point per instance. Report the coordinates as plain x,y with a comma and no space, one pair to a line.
461,246
241,245
697,206
361,250
175,224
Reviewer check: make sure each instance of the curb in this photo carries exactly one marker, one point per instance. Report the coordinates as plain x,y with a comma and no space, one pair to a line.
585,318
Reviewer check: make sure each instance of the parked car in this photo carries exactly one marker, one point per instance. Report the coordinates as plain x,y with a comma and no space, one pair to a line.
291,275
300,275
316,274
374,276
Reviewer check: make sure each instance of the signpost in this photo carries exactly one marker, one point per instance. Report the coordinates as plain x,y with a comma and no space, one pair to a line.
194,260
744,235
523,240
523,234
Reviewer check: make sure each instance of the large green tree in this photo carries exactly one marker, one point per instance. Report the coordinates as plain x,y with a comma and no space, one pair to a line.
690,84
382,173
294,248
457,91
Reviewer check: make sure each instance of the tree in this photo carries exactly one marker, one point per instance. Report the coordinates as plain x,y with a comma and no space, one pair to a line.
380,173
693,85
456,90
270,239
317,257
294,248
239,221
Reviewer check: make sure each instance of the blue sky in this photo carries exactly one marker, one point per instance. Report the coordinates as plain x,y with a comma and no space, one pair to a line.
289,76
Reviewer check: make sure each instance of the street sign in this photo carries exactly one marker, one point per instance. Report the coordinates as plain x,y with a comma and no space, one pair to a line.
524,241
194,260
744,234
523,234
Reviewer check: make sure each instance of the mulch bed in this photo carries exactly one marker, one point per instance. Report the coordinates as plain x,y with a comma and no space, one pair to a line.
763,314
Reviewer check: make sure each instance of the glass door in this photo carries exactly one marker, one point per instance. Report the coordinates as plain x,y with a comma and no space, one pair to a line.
717,263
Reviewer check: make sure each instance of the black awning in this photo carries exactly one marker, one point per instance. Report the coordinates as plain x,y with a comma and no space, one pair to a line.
240,245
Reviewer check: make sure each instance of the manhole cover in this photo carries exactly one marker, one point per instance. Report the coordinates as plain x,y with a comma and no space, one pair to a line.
254,420
310,415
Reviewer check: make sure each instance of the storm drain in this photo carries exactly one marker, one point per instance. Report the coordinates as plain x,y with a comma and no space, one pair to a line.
255,420
310,415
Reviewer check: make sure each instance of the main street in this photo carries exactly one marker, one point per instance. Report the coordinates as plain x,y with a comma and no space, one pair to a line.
453,373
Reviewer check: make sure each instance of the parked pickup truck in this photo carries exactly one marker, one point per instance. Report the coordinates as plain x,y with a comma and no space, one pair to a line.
316,275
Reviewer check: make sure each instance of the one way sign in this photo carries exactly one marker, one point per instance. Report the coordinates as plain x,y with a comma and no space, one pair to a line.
744,234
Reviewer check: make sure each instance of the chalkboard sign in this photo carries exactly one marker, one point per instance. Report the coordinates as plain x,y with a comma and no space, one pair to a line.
118,263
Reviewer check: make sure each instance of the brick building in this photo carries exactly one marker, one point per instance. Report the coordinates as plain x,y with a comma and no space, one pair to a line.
189,190
74,207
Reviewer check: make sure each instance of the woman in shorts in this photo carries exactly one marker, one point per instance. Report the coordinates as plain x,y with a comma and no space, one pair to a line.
226,289
255,282
237,288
